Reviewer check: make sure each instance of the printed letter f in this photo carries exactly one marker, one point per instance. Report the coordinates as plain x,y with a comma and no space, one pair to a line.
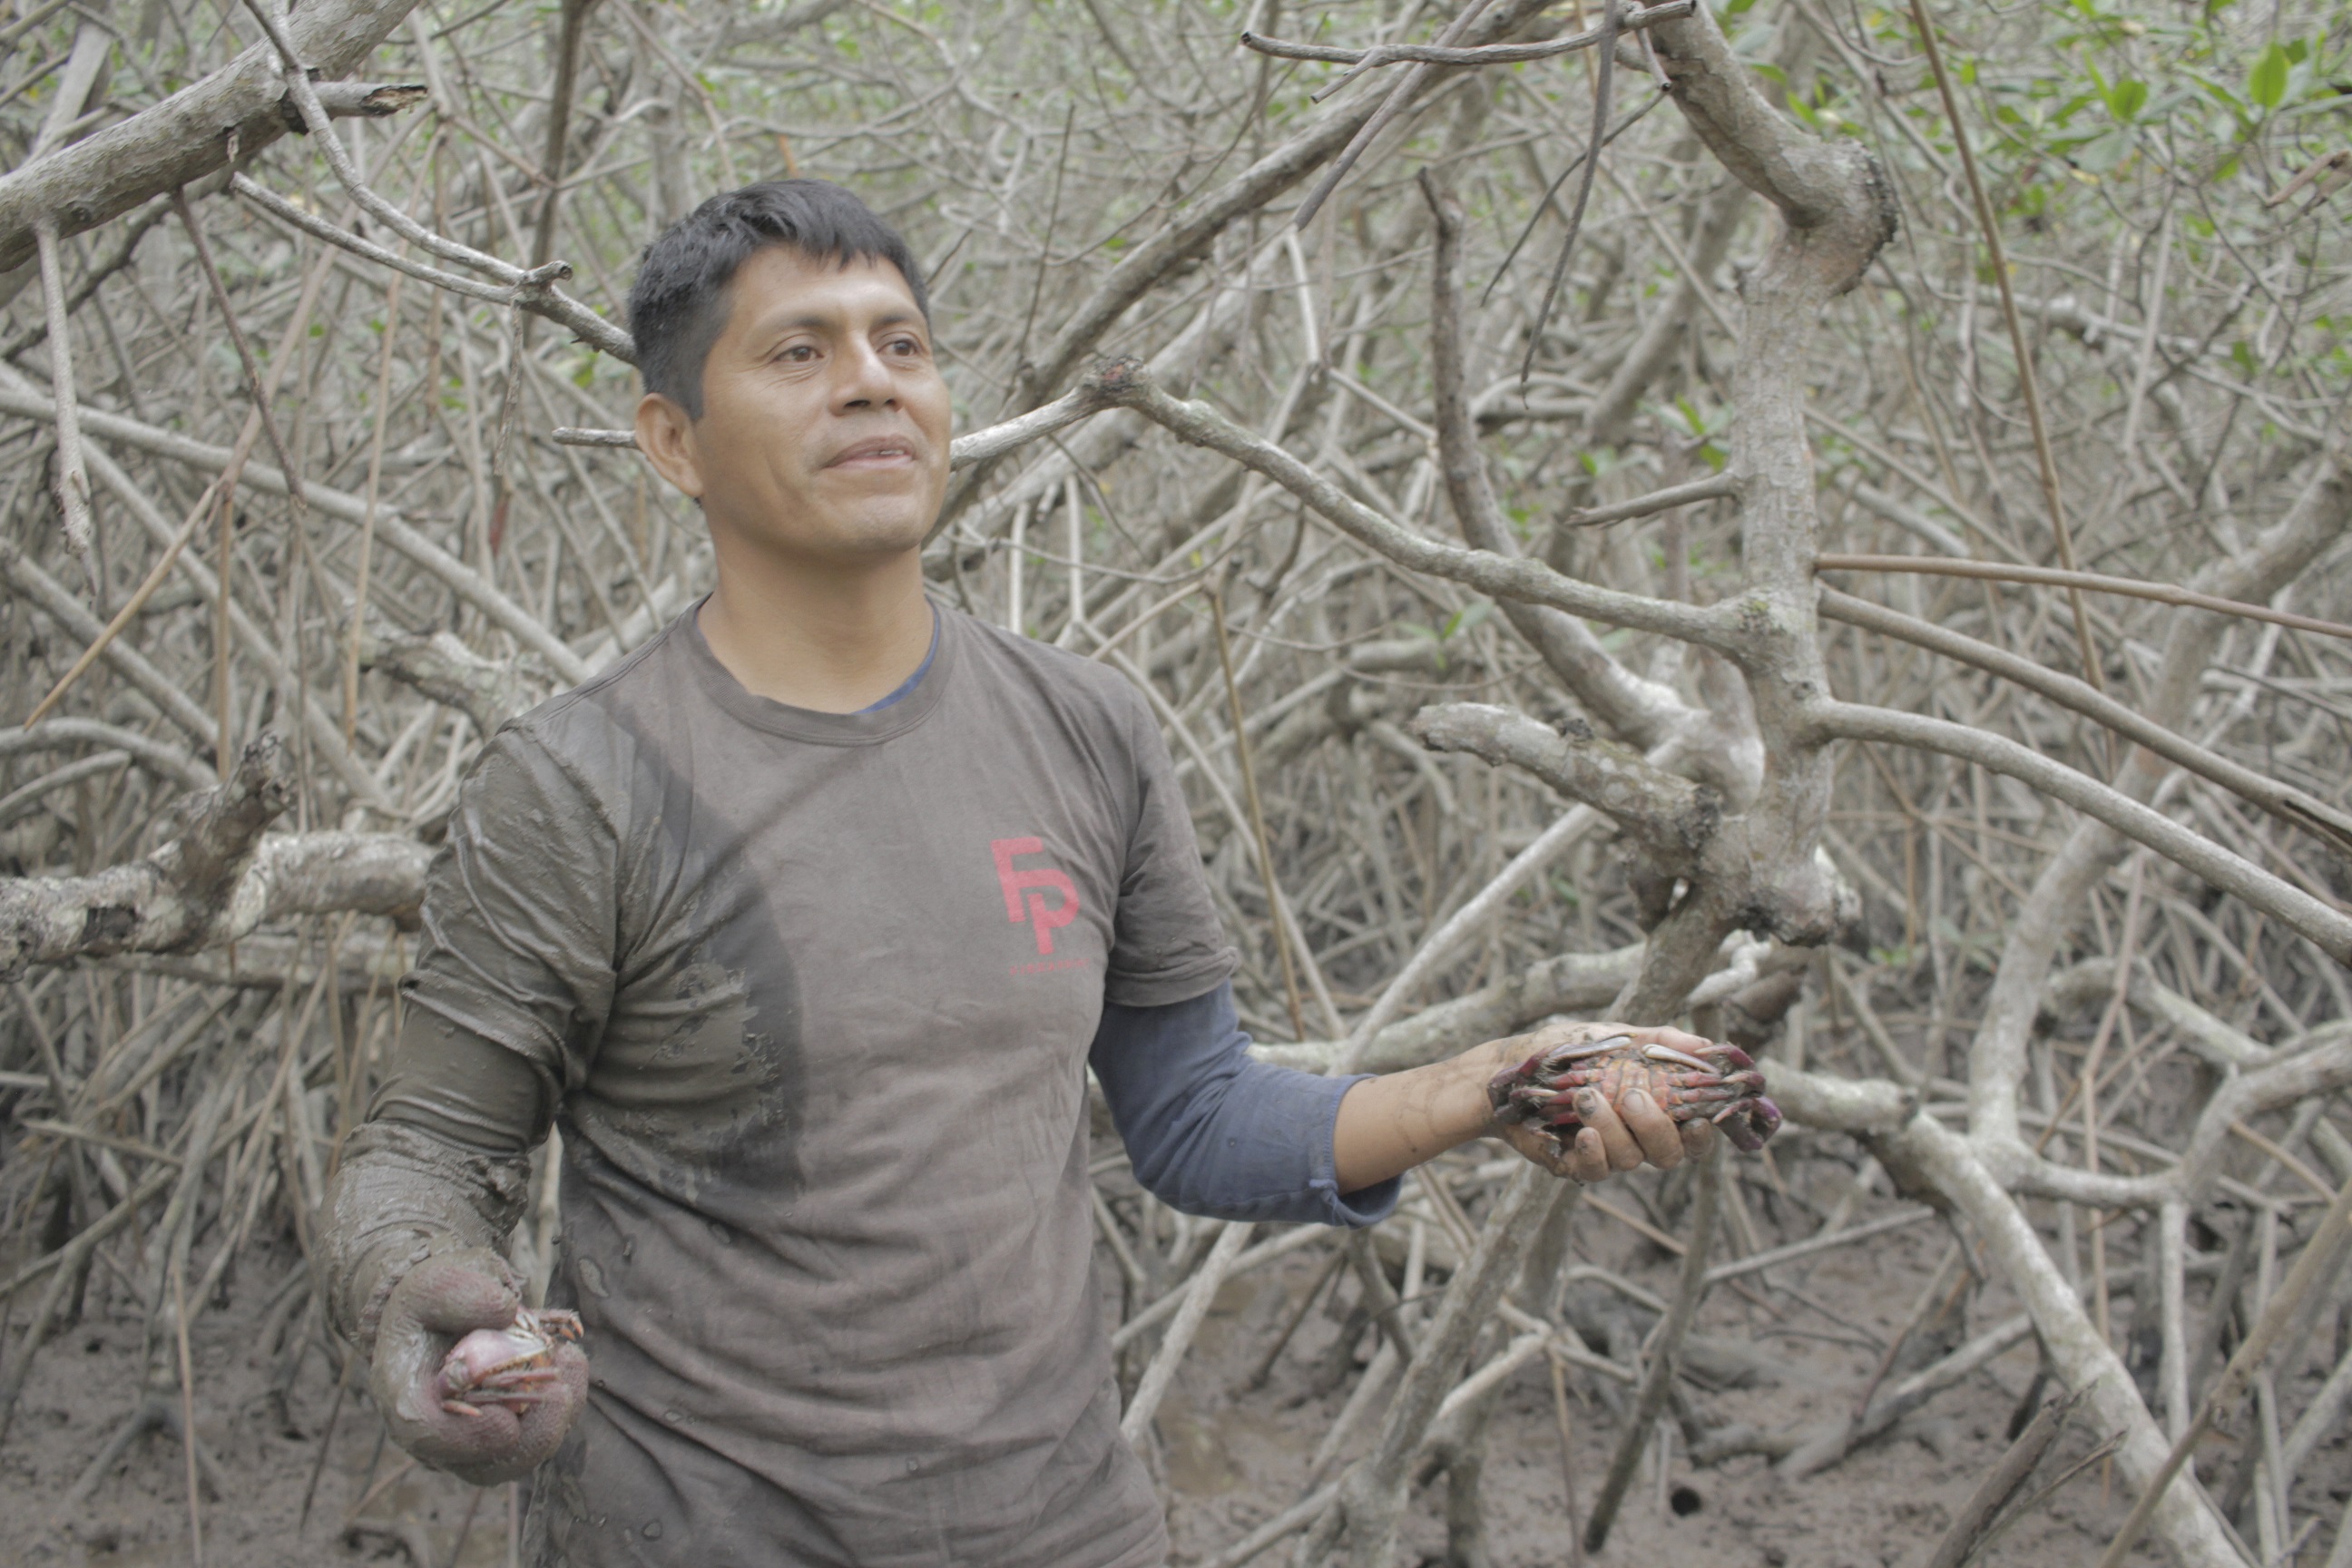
1042,919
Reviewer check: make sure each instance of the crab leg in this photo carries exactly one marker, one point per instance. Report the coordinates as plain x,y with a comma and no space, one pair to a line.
1668,1054
472,1406
1566,1054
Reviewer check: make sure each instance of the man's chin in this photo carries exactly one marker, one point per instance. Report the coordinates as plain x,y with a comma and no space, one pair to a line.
877,530
887,531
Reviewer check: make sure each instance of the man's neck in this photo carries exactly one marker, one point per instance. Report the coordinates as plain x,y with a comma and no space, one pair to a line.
832,640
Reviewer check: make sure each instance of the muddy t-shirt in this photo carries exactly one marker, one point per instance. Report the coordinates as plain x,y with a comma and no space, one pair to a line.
816,992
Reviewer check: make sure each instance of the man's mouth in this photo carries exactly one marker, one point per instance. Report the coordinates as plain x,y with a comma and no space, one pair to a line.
875,452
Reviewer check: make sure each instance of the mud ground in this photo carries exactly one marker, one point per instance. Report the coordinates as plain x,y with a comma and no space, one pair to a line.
1228,1458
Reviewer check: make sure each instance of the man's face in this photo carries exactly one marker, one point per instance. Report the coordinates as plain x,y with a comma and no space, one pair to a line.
824,434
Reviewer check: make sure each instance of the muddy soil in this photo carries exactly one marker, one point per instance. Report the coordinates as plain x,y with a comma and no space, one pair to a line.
1229,1458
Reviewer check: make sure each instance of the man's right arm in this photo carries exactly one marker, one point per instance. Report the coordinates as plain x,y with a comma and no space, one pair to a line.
512,983
426,1193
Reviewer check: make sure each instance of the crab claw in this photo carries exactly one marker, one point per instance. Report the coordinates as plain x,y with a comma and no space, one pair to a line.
1748,1122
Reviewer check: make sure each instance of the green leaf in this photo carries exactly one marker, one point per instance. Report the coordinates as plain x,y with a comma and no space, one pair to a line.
2126,98
1463,620
2266,83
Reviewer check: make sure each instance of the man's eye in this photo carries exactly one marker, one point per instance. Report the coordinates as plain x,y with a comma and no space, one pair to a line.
799,353
905,346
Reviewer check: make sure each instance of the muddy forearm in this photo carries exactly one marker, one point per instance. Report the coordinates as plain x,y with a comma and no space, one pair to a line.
1389,1124
441,1165
401,1196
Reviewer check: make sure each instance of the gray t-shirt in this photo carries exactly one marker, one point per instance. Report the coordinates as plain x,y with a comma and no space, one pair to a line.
815,992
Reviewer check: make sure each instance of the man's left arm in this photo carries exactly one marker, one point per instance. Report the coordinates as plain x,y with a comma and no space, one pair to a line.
1211,1130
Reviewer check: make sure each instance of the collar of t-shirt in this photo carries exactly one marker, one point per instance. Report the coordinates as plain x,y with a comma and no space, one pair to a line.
899,711
906,687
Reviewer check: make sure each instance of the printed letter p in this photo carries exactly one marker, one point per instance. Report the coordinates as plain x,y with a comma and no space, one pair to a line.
1042,919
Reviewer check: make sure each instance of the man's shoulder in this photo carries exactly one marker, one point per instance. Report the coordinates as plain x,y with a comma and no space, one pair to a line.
598,732
1063,678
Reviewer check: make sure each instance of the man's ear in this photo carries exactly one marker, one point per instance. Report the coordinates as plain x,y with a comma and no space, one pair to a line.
665,436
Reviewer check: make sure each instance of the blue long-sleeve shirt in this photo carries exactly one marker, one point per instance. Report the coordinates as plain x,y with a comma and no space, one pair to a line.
1209,1129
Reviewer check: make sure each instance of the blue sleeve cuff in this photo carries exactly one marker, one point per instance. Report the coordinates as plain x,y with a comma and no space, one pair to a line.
1211,1130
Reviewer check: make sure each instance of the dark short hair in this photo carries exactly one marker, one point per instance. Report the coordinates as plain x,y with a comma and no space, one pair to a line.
678,303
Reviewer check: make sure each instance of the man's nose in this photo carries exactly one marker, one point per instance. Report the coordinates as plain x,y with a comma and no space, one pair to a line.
866,380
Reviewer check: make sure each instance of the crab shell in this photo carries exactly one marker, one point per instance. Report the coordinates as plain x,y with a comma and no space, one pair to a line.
513,1366
1718,1083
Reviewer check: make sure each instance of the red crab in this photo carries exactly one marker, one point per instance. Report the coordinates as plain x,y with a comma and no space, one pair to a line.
513,1366
1720,1083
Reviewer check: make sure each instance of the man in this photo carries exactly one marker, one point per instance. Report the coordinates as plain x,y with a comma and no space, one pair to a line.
806,921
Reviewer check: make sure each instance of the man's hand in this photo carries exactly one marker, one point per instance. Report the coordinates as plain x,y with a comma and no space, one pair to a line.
1613,1137
1387,1125
439,1302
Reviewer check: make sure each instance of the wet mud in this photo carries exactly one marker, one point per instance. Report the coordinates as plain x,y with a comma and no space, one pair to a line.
1227,1457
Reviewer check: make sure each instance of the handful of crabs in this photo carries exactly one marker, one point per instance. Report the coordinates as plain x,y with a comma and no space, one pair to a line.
1717,1083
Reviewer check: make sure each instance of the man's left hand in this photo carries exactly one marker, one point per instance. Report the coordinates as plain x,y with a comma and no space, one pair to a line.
1615,1136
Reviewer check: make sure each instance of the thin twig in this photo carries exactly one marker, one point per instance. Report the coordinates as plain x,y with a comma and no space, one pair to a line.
1282,935
2028,386
2160,593
2317,1262
1665,1351
73,476
1604,79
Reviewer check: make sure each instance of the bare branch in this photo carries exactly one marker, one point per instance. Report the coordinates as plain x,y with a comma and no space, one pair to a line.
73,475
1125,383
38,588
1672,817
2159,592
190,134
1714,487
216,881
16,398
167,762
981,446
2294,908
2286,803
488,692
531,290
1641,711
1814,183
1276,171
1485,55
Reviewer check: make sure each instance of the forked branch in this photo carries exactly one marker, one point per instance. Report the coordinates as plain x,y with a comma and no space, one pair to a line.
1126,385
217,880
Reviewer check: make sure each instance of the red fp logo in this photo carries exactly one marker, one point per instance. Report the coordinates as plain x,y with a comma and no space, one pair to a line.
1043,920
